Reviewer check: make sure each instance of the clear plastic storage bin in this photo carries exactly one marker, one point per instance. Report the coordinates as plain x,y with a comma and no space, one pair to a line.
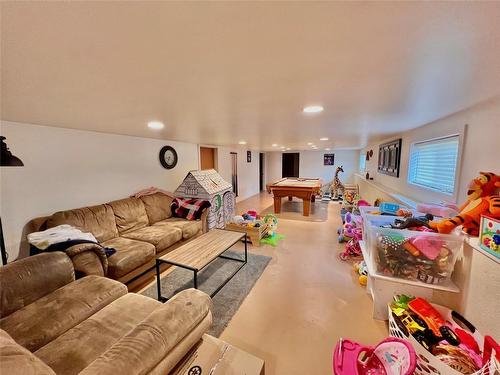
419,256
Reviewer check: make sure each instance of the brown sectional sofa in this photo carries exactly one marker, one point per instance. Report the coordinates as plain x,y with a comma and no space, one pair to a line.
51,324
140,229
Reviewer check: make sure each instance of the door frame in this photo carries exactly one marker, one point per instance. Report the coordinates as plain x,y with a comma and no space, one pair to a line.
216,164
234,178
262,171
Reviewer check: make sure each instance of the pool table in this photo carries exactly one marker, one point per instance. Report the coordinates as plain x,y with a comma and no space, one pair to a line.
303,188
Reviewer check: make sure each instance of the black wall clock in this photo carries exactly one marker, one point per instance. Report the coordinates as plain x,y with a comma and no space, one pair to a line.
168,157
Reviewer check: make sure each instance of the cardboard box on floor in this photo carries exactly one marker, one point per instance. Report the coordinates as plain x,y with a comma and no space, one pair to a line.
216,357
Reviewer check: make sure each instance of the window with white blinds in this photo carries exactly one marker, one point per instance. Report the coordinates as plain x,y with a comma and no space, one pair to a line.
433,164
362,161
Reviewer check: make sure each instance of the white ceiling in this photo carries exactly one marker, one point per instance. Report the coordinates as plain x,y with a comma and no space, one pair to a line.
219,72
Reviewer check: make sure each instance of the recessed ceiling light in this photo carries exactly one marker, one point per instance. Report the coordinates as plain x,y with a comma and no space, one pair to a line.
274,145
156,125
324,139
314,147
327,149
309,143
288,148
242,142
313,109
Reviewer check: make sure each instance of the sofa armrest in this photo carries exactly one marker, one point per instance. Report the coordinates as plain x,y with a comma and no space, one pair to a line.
204,220
160,340
16,360
26,280
88,259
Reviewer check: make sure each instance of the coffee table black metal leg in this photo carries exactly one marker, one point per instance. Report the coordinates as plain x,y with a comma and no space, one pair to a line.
158,283
246,247
195,279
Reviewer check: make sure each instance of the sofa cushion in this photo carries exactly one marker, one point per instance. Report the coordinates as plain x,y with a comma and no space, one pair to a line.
81,345
152,346
189,228
162,237
16,360
157,207
98,220
42,321
130,214
129,255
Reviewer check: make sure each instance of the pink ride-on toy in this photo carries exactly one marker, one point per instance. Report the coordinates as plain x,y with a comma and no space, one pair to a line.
391,356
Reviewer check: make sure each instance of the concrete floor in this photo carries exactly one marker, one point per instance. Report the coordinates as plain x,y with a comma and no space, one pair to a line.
306,299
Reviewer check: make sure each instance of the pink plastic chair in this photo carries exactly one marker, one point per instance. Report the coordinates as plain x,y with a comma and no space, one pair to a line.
391,356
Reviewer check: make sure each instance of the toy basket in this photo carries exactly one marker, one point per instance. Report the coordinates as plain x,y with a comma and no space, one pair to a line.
428,364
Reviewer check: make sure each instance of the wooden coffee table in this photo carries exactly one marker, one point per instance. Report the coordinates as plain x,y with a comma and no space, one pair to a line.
200,252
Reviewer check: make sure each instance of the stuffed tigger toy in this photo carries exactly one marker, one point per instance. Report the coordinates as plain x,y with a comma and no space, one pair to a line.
481,199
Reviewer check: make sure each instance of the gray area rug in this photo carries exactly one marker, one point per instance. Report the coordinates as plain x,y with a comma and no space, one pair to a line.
230,297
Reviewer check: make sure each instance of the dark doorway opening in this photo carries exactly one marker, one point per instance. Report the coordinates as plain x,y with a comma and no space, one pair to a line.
290,164
234,172
261,171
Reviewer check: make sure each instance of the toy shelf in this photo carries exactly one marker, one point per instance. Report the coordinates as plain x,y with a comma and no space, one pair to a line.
474,243
382,288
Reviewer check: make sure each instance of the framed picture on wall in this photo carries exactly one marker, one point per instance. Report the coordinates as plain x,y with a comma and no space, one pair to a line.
249,156
329,159
389,156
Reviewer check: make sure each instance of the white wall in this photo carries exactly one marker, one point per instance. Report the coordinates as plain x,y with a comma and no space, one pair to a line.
311,165
475,274
248,173
66,168
480,152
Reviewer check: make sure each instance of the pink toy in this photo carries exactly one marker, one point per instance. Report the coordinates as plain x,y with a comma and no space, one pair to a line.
391,356
362,202
352,250
252,213
428,246
351,228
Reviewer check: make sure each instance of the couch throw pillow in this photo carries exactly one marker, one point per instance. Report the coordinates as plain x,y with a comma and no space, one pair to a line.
190,209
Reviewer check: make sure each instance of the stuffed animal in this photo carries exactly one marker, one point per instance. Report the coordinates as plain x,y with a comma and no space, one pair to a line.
481,187
481,200
351,228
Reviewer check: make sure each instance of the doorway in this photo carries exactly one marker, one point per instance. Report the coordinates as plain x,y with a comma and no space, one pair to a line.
261,171
208,158
234,172
290,164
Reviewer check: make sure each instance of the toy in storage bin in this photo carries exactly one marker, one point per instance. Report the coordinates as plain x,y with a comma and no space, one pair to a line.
375,221
419,256
428,364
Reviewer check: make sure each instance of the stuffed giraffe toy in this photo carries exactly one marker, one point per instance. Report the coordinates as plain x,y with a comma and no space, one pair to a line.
337,185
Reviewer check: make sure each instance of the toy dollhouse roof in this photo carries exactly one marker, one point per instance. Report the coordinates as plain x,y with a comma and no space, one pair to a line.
209,180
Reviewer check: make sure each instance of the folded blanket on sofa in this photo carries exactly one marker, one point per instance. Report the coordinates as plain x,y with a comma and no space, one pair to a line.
190,209
88,256
150,191
62,233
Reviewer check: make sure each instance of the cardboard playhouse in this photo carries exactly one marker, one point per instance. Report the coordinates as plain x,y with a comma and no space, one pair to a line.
210,185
